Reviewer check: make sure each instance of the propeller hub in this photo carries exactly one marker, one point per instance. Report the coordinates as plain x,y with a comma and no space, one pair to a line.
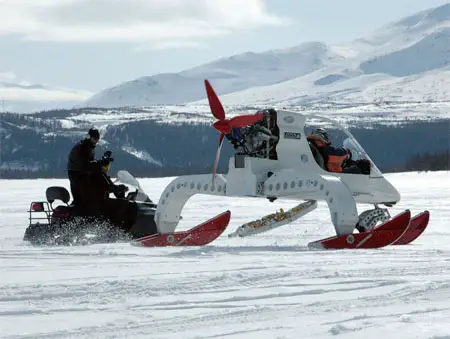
222,126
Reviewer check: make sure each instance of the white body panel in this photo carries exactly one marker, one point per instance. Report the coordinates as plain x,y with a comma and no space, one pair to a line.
178,192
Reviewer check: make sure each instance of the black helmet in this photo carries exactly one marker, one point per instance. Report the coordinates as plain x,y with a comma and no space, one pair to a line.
94,133
321,133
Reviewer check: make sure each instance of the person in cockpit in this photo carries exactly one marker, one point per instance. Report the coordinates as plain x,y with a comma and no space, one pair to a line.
334,159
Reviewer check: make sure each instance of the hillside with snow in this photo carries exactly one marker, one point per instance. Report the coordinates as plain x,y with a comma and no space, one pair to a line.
229,74
173,140
407,60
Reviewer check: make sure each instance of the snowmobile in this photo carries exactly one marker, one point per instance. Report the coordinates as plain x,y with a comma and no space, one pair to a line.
61,225
273,159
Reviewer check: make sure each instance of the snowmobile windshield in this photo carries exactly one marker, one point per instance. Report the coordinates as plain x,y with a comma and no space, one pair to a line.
126,178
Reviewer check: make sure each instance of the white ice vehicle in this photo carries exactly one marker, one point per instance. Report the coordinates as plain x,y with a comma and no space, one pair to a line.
274,159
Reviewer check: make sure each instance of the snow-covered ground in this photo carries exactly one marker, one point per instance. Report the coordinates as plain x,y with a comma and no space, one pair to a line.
267,286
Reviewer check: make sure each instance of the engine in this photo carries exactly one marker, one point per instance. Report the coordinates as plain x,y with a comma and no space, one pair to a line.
258,140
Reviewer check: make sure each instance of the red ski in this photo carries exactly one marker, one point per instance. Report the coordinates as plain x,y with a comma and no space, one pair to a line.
417,225
381,236
200,235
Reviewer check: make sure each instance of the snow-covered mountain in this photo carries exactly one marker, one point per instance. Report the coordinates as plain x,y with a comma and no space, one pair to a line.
229,74
408,60
401,61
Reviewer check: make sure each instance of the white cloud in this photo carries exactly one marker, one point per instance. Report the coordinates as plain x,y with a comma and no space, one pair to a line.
7,76
13,88
41,95
170,44
138,21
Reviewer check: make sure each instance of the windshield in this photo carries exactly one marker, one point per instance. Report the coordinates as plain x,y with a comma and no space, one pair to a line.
341,137
126,178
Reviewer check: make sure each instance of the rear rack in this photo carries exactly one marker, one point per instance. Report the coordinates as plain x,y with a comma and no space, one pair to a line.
39,207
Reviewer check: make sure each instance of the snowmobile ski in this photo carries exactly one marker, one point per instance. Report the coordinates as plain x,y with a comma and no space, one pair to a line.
274,220
381,236
200,235
417,226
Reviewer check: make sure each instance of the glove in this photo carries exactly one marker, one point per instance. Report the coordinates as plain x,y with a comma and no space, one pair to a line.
349,153
364,165
107,157
119,191
104,162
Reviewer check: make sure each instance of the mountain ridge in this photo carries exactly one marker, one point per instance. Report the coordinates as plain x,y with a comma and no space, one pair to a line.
249,76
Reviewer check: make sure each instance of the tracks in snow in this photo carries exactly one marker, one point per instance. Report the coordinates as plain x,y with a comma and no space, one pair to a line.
218,292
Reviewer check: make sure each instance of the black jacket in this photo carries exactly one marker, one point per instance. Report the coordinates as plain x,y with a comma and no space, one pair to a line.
81,158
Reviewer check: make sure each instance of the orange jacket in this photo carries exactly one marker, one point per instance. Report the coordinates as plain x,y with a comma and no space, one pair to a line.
334,157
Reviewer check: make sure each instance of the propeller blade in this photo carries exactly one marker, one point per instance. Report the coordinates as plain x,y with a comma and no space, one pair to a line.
222,126
214,102
244,120
216,162
225,126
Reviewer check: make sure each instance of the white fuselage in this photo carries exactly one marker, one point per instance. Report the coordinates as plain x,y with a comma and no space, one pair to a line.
294,154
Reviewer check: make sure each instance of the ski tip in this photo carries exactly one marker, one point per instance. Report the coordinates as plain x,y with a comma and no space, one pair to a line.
417,226
406,214
425,213
424,216
227,214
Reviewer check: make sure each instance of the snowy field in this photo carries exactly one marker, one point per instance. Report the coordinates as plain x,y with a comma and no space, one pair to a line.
267,286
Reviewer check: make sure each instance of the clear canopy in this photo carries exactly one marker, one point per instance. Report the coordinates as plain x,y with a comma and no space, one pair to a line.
339,133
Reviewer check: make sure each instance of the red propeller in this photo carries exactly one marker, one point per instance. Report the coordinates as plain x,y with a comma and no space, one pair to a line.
223,125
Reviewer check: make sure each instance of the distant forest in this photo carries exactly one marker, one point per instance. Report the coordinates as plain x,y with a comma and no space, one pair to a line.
421,162
36,146
426,162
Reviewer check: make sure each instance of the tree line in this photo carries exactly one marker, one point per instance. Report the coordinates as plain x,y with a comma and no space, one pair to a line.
439,161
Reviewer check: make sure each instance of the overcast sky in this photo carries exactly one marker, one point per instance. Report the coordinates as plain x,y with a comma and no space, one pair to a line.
93,44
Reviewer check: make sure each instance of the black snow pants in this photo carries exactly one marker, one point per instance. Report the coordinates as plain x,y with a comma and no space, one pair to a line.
83,194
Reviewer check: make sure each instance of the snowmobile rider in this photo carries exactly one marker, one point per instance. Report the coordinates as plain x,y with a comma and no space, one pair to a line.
102,184
121,212
335,159
81,167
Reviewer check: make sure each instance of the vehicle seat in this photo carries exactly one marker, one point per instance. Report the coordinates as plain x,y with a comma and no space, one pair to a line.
57,193
317,156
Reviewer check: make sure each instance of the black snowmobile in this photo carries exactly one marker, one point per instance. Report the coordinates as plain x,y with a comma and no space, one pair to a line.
61,225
